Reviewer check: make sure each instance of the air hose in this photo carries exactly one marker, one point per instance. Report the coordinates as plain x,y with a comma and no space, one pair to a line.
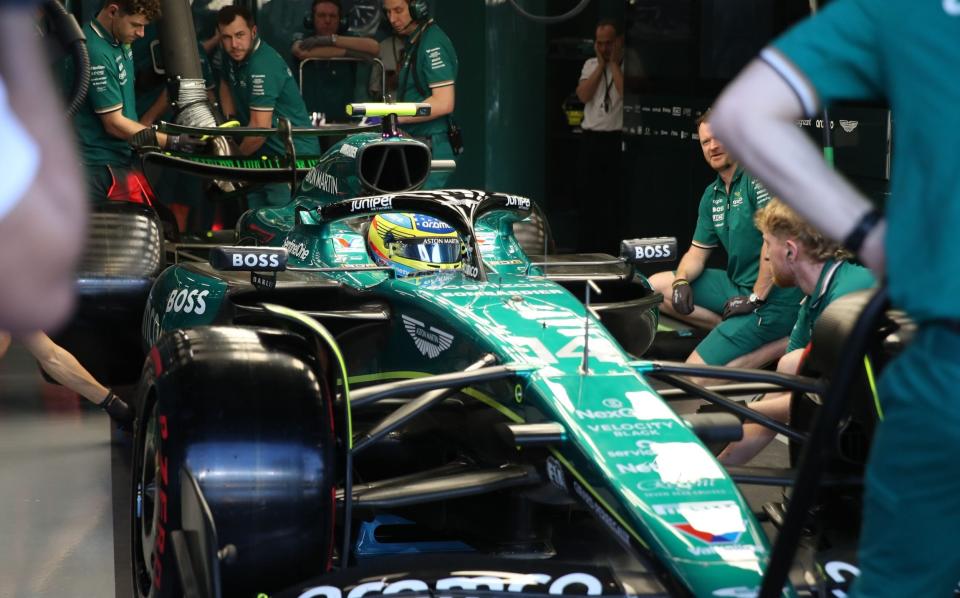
68,31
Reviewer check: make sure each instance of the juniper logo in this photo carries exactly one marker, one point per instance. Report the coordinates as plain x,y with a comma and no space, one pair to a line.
430,341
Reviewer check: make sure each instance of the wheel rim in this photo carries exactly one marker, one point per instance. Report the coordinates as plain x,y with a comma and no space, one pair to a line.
145,500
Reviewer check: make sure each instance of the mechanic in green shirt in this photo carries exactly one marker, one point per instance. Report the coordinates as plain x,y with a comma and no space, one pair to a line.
749,317
906,53
328,85
257,87
427,73
107,122
799,257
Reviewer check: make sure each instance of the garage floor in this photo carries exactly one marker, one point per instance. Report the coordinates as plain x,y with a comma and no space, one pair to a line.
64,490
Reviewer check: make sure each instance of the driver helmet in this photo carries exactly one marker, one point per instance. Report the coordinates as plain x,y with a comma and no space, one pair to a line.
413,243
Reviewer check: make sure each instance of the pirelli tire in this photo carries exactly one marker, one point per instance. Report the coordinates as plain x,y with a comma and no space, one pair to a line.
249,411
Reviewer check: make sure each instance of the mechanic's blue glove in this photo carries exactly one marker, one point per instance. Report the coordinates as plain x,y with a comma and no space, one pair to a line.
682,297
740,305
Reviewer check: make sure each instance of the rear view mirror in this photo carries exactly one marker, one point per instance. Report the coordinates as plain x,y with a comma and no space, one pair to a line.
648,251
249,259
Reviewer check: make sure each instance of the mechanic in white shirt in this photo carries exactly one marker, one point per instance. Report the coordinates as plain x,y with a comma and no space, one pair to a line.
599,187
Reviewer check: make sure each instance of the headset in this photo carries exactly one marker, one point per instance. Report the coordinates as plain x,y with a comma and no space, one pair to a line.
419,10
342,27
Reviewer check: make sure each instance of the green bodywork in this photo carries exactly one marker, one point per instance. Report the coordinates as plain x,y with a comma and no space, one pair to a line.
627,456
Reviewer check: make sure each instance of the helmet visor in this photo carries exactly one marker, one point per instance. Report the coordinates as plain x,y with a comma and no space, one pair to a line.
434,250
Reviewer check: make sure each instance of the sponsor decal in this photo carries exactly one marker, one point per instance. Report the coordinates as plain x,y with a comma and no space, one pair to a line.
555,473
737,592
323,181
574,583
471,270
348,244
255,260
623,468
297,249
429,223
348,150
633,428
503,262
430,341
613,403
163,484
642,449
731,552
849,125
601,513
515,201
187,301
371,204
263,281
702,486
714,522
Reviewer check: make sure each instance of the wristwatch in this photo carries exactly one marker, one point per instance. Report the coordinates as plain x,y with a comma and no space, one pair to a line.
333,39
756,300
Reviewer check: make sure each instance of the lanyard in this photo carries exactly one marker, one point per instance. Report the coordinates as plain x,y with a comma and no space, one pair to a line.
606,92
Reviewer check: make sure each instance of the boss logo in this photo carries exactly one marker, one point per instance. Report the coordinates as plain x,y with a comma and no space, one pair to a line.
645,251
514,201
371,204
266,259
187,301
253,260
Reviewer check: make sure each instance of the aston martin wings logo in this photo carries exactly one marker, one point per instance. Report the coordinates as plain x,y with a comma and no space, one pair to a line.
849,125
430,341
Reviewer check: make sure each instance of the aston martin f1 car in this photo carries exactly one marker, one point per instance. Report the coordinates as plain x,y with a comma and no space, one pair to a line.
310,423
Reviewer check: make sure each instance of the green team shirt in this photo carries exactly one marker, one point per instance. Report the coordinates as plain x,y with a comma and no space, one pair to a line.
871,50
430,63
111,88
264,81
727,220
836,280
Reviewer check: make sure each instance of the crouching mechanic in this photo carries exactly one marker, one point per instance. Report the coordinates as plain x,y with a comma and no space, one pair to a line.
749,317
257,86
799,256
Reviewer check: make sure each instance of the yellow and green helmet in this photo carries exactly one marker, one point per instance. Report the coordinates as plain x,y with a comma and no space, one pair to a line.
413,243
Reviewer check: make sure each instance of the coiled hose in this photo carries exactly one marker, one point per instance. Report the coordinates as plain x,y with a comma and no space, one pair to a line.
68,31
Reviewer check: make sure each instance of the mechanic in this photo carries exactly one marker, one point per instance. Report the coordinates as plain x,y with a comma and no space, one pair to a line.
846,52
799,256
67,371
600,182
749,318
108,119
257,86
428,73
42,218
328,86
